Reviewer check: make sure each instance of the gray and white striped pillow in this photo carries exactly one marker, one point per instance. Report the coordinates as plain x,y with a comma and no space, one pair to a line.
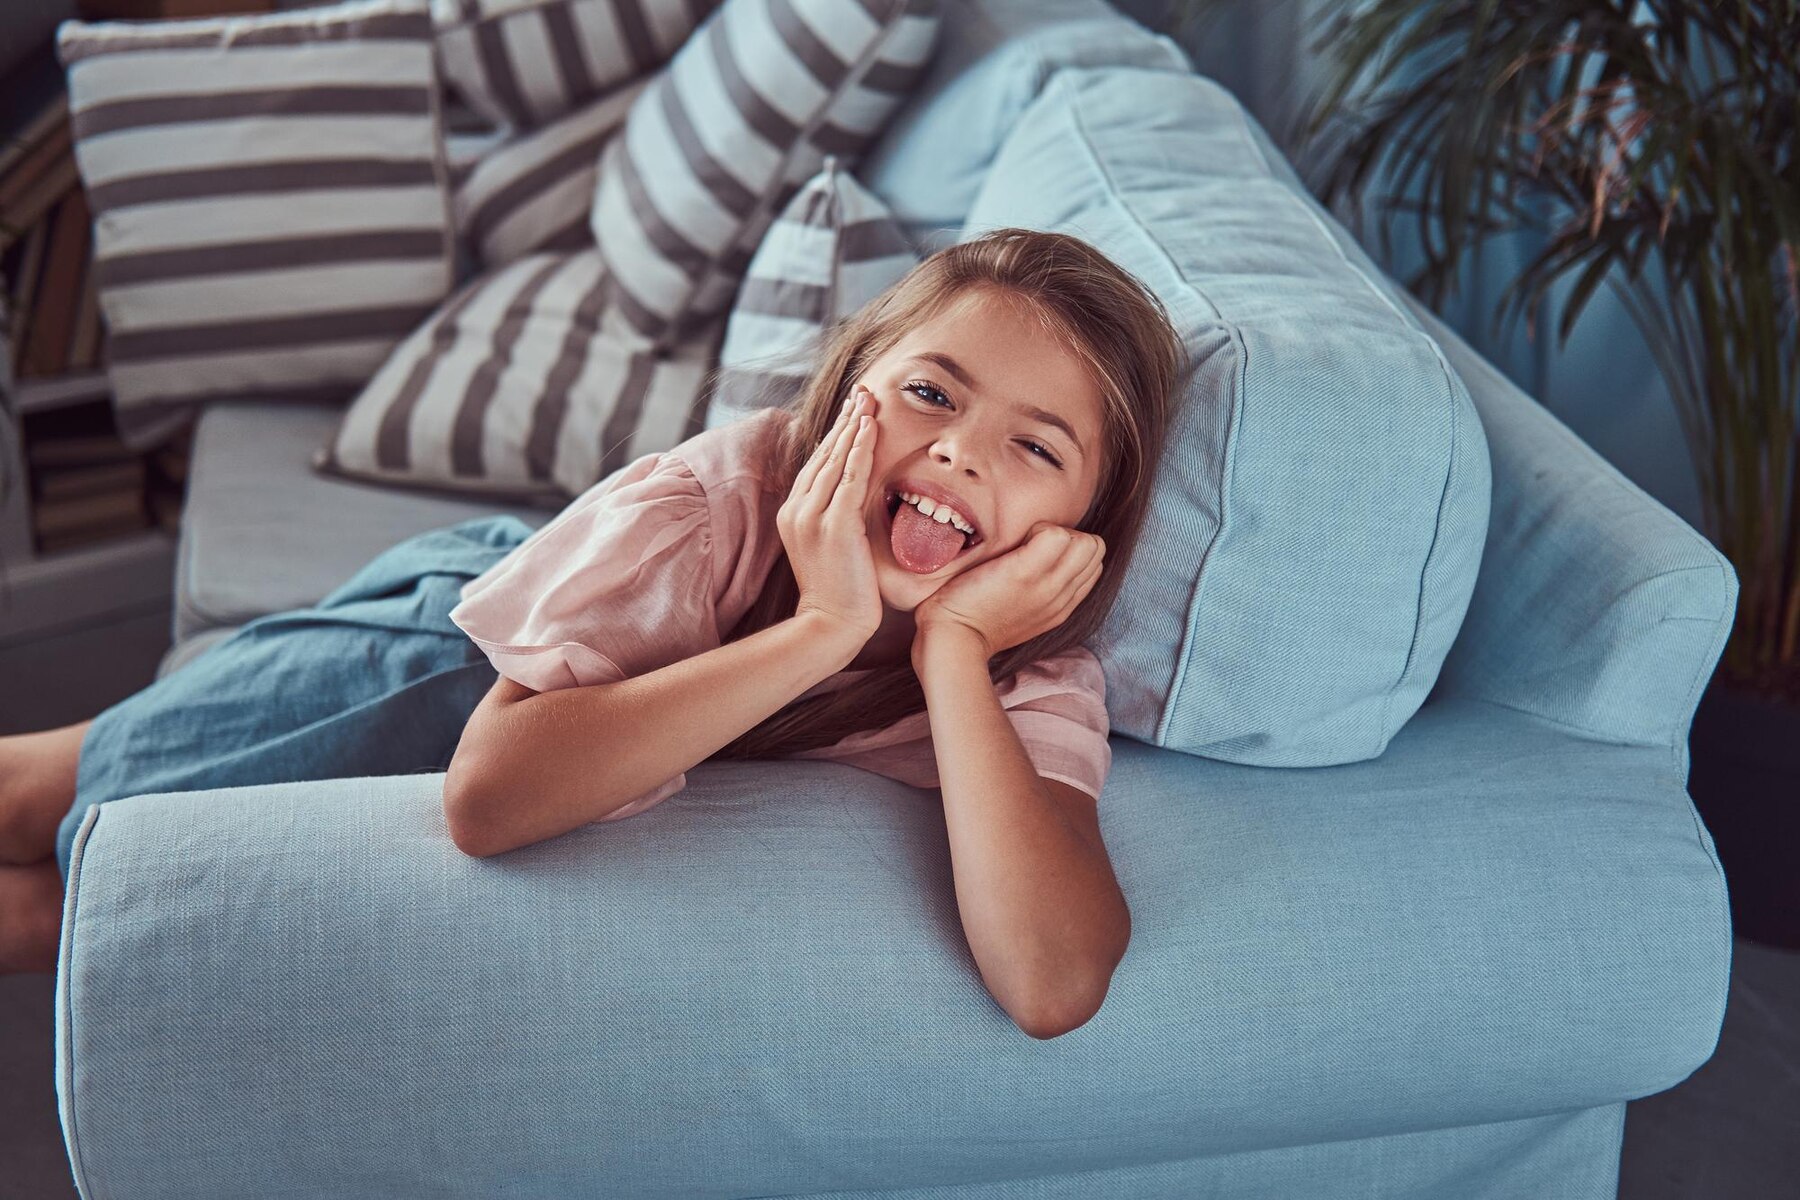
513,391
522,63
533,192
271,210
833,249
728,131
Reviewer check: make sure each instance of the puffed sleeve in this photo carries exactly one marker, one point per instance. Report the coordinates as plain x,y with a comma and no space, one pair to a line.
616,584
1058,708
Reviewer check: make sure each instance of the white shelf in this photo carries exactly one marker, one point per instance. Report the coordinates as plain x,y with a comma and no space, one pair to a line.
59,391
22,568
86,585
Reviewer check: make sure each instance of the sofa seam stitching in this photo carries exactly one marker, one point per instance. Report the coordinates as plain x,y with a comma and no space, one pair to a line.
66,976
1453,385
1190,614
1698,685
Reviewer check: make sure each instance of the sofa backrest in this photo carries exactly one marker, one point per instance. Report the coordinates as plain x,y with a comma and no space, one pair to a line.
1597,607
1594,607
993,58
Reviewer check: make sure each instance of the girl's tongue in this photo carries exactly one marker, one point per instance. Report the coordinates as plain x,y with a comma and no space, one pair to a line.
923,545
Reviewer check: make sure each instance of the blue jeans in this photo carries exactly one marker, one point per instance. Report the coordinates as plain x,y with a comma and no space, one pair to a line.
372,680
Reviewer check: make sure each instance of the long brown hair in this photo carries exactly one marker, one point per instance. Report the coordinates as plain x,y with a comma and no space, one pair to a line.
1117,326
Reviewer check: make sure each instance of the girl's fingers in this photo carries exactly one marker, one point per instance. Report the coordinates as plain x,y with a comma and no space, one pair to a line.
1079,563
821,452
853,483
825,484
1084,583
809,471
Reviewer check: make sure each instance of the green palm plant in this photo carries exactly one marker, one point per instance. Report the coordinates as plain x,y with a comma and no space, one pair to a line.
1655,146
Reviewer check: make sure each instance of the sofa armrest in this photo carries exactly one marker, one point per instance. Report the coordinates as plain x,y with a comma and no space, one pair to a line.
760,987
1596,606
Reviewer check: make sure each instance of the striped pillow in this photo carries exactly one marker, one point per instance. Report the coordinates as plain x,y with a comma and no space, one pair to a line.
727,132
522,63
463,152
512,391
534,191
271,213
832,250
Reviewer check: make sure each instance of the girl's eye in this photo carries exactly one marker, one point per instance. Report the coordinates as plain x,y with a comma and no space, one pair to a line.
921,389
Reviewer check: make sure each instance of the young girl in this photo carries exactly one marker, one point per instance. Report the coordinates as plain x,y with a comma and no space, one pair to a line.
897,569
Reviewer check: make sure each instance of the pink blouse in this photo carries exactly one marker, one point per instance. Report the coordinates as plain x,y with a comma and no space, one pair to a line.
658,561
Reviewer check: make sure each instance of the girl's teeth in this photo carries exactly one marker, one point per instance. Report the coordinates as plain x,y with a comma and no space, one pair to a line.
940,514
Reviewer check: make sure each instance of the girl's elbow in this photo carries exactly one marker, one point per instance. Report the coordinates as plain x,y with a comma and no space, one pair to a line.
467,809
465,815
1075,1009
465,833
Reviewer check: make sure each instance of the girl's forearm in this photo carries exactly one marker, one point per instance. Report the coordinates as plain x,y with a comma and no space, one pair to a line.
562,759
1041,908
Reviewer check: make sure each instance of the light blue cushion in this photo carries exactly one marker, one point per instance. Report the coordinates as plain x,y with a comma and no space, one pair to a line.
1318,521
992,60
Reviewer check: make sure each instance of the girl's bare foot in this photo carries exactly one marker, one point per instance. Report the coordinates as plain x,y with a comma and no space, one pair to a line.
37,788
31,900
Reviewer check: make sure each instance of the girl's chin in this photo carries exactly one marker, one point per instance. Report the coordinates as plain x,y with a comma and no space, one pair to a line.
901,590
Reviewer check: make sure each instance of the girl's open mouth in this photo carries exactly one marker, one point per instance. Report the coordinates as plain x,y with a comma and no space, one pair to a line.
892,506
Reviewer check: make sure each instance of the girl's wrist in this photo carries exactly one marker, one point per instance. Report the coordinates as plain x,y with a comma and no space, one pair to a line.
832,632
950,639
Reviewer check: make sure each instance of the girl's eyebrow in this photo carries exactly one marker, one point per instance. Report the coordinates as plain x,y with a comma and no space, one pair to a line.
1042,416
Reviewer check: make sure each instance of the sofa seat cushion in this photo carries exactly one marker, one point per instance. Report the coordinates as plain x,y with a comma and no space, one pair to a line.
187,649
262,531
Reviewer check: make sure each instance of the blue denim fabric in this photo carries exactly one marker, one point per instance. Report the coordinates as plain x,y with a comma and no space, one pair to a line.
372,680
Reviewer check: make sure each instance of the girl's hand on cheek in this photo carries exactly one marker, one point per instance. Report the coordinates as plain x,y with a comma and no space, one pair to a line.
1029,590
823,526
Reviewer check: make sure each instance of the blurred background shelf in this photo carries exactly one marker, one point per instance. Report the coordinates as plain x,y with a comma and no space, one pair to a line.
42,395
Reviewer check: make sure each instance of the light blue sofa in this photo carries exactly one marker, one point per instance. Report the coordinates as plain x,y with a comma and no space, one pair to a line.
1436,975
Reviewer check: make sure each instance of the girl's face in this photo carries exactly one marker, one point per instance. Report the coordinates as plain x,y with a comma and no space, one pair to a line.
954,403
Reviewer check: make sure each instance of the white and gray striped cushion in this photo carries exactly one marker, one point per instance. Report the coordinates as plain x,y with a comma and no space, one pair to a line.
522,63
533,191
834,248
463,152
727,132
513,391
271,209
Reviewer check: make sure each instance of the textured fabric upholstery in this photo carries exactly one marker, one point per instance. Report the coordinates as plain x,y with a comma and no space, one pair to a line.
262,531
1370,978
1318,514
